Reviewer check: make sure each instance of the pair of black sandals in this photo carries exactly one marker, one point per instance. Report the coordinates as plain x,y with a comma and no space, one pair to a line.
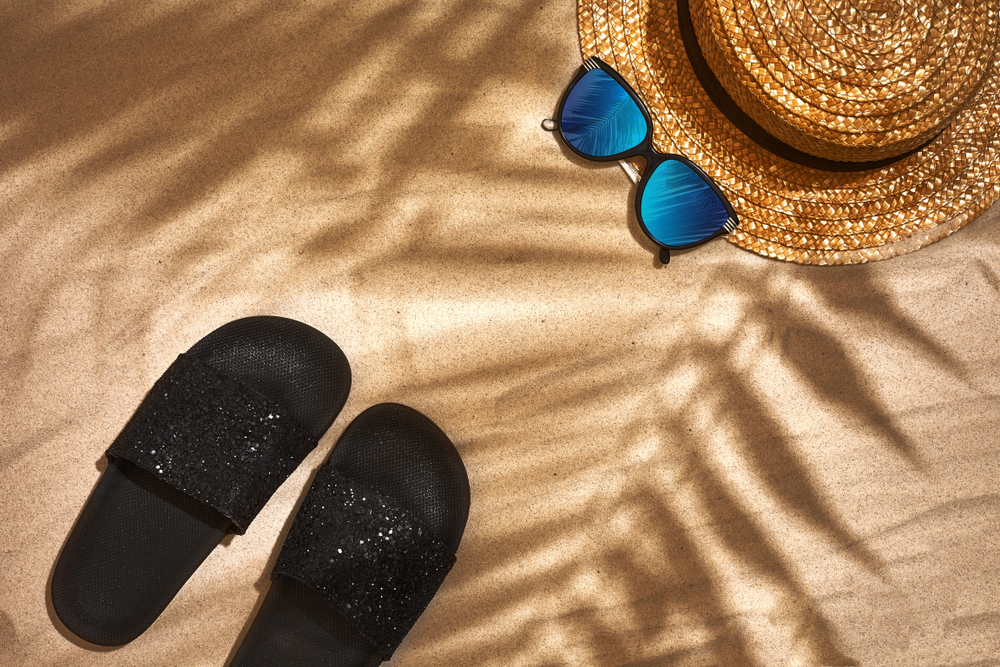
214,438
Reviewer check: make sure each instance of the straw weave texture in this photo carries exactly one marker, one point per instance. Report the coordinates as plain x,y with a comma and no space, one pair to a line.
849,81
797,213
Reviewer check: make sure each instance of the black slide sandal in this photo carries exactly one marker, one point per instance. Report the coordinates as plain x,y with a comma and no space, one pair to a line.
373,540
210,443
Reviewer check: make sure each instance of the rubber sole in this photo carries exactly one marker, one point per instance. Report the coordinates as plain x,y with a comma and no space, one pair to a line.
138,539
403,454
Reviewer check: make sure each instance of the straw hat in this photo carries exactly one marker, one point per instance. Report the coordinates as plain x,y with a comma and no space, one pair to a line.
879,117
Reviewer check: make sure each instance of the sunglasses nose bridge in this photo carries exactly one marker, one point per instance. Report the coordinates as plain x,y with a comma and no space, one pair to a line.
650,159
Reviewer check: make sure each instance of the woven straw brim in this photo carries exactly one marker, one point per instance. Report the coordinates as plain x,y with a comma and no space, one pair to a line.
789,211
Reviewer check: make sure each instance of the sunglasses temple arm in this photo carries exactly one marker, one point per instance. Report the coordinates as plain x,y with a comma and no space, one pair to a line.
630,170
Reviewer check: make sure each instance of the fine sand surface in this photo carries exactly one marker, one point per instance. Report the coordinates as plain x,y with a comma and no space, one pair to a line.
725,461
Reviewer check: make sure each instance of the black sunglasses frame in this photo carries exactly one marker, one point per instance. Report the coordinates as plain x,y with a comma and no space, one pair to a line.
645,150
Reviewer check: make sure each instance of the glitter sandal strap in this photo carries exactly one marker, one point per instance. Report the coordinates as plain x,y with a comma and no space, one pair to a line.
215,439
368,557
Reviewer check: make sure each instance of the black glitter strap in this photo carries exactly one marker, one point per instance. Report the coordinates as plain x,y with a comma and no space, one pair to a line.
369,558
213,438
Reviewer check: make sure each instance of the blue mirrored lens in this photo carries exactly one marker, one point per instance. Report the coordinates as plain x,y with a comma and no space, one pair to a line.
599,118
678,207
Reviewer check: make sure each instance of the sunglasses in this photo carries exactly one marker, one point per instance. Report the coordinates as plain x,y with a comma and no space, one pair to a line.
677,204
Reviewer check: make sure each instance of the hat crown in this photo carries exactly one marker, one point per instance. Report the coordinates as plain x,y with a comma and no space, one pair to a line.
849,80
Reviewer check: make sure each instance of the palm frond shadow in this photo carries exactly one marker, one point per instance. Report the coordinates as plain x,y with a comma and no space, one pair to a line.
816,352
866,299
580,539
118,87
151,76
570,394
769,454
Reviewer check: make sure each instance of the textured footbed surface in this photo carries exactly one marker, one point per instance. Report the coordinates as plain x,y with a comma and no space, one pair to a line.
135,544
137,539
404,455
